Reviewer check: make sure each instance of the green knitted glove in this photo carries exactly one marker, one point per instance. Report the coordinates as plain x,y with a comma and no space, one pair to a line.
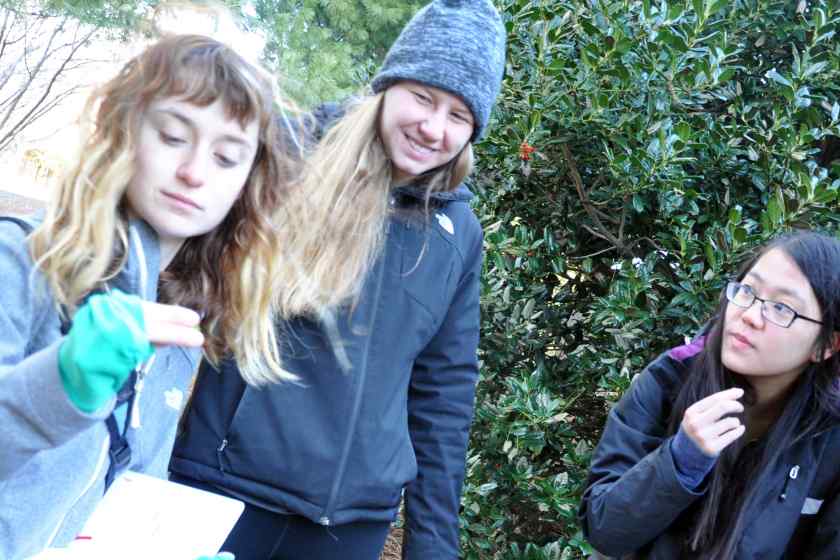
220,556
106,342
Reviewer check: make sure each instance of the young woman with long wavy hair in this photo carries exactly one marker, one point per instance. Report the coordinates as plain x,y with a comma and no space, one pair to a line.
386,354
159,242
729,448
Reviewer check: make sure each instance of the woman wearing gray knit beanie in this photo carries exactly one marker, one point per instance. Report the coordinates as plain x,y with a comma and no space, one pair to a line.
388,364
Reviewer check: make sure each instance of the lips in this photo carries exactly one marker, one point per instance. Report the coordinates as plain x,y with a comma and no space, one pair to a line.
182,200
741,340
418,147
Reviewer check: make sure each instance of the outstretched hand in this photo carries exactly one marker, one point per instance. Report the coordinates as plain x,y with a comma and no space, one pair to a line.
113,333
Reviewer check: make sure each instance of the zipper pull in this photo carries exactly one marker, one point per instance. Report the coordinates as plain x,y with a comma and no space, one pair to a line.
219,451
142,370
794,472
135,406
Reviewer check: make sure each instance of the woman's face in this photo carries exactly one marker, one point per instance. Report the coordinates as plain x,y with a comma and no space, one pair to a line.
191,164
763,351
422,127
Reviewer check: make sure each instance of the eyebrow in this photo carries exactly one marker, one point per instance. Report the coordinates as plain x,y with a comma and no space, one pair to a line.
190,123
780,289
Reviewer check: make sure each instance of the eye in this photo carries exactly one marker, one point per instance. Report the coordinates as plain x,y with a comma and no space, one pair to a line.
747,289
781,308
422,98
225,161
171,139
461,118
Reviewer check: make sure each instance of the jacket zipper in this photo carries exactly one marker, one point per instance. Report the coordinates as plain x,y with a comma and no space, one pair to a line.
219,451
357,404
792,475
103,456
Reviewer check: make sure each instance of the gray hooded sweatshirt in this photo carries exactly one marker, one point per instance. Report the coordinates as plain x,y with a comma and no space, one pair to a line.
53,457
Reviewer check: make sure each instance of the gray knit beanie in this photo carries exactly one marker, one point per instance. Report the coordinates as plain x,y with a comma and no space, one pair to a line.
455,45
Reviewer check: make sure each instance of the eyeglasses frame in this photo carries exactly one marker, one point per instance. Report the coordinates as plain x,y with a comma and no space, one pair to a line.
796,315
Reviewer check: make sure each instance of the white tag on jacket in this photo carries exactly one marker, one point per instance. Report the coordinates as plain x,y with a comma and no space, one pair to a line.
811,506
174,398
446,223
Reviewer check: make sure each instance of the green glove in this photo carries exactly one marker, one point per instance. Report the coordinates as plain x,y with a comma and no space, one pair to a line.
106,342
219,556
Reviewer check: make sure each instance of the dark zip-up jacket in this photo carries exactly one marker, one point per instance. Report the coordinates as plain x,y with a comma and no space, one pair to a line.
633,500
343,446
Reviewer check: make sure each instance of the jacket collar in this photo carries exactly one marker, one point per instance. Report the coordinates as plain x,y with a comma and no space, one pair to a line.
418,191
140,273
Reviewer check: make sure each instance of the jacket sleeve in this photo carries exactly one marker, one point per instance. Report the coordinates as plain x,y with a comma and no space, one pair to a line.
34,411
633,493
440,411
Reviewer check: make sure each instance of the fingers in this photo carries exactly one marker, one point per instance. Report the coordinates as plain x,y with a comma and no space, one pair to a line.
176,314
709,424
721,396
172,325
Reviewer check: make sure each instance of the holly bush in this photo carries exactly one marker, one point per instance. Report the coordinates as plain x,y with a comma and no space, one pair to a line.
640,150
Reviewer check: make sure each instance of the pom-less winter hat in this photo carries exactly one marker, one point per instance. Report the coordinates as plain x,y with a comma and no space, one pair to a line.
454,45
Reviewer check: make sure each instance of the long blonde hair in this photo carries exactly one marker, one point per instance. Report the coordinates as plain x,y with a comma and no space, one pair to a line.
334,220
227,273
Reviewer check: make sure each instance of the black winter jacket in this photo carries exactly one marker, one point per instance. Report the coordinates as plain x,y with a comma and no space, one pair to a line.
342,447
633,500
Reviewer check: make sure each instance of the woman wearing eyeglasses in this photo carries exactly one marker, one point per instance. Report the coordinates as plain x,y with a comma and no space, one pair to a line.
729,448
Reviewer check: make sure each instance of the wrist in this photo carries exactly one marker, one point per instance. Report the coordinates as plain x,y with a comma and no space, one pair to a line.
77,392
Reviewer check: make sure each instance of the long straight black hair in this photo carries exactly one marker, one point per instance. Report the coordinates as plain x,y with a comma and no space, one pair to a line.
811,405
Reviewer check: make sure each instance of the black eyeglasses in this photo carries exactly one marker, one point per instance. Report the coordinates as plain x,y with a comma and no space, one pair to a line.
775,312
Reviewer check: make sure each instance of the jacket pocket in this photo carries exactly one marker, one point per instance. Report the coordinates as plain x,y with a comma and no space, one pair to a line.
425,269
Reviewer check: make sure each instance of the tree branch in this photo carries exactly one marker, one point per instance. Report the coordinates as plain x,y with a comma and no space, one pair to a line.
601,231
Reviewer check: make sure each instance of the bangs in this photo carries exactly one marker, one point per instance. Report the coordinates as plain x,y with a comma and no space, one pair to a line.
202,74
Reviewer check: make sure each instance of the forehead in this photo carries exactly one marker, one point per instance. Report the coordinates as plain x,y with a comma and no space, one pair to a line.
214,118
776,273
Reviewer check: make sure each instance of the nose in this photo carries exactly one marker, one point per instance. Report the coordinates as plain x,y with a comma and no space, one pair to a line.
754,315
192,171
433,126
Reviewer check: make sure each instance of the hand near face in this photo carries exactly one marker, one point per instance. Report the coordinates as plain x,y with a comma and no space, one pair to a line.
709,424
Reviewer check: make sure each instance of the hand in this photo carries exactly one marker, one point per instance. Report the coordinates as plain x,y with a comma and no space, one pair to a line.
704,422
219,556
171,325
111,335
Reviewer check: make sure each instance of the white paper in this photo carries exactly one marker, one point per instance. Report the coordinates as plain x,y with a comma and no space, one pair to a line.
146,518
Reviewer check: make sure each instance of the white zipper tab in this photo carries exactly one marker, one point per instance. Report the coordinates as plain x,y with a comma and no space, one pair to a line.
794,472
142,370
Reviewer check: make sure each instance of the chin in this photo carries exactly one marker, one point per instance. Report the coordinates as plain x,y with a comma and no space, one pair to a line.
733,365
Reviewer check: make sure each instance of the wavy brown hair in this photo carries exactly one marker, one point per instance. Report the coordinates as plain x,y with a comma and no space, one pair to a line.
228,273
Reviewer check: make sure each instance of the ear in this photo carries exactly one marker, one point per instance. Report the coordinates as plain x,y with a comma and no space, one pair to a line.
829,352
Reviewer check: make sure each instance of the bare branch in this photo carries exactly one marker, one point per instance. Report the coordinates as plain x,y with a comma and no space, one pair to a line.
39,52
52,81
601,231
26,86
